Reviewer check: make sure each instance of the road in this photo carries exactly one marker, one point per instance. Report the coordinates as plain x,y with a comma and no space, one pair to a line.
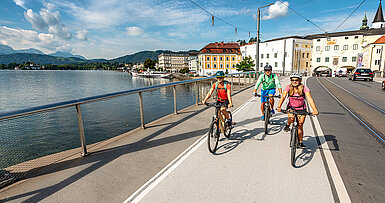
358,153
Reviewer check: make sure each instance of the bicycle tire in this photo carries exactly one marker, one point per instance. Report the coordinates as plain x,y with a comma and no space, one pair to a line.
294,142
228,128
213,137
267,118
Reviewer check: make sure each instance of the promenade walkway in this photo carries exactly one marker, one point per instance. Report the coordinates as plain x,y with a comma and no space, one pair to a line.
153,165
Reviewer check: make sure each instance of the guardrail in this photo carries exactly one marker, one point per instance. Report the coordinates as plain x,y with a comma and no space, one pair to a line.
17,115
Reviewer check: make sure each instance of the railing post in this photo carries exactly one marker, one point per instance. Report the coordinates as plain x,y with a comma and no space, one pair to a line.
232,83
239,81
175,106
211,84
197,94
141,111
81,130
244,79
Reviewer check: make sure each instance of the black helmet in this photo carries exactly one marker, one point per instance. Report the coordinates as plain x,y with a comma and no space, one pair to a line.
220,74
267,67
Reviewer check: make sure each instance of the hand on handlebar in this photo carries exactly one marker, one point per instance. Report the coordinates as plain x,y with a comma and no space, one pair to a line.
279,109
315,113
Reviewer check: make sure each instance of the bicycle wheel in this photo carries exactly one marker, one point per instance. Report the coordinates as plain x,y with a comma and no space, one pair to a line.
213,137
267,118
293,144
228,128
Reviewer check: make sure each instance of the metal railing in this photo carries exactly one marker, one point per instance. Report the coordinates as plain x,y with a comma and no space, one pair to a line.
16,116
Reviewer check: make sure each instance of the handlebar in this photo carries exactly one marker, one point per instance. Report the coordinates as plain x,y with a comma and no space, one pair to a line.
259,95
214,105
296,112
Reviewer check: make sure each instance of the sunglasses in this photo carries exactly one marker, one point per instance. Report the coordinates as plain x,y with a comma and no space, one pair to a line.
267,70
295,80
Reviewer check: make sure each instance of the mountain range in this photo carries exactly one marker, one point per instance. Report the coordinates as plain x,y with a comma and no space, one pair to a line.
9,55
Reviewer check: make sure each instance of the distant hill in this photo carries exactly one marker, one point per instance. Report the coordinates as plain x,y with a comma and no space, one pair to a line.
66,54
30,51
4,49
38,59
143,55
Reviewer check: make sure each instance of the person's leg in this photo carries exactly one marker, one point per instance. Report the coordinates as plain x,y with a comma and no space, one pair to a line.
225,113
262,109
271,94
290,119
301,120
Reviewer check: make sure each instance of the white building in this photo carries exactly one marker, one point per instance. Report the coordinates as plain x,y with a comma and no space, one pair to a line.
172,62
374,56
285,54
193,62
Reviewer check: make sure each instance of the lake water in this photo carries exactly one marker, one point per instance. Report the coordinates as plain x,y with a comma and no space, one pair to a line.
49,132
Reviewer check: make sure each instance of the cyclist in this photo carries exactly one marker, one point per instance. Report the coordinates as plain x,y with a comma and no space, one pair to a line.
297,94
223,89
269,82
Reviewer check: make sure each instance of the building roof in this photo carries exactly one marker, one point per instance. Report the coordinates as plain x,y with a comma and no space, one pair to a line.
380,40
288,37
221,48
379,17
372,31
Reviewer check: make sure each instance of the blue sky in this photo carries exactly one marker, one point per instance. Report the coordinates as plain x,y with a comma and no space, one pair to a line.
114,28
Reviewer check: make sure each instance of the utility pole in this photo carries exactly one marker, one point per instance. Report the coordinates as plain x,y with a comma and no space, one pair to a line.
257,44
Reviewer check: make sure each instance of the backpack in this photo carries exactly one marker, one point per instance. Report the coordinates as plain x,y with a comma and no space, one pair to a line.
225,82
264,76
299,103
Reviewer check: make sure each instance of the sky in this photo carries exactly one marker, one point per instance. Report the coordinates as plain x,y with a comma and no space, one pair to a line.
114,28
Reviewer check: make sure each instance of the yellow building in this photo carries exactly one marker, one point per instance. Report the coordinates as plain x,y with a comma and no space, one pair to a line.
219,56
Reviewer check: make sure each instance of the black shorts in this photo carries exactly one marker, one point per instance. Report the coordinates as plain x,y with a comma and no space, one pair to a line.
225,103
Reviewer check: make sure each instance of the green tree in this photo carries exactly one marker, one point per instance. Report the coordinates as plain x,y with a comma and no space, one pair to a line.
184,70
149,64
245,65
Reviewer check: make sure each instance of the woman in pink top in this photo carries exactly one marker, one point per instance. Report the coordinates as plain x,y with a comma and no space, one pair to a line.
297,94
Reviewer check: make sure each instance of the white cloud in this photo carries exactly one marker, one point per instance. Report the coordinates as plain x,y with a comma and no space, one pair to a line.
82,35
48,18
133,31
276,10
20,3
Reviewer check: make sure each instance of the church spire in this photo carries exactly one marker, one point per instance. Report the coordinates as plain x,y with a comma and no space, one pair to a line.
364,23
378,21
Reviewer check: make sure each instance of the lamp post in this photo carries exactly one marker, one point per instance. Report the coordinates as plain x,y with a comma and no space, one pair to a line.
257,44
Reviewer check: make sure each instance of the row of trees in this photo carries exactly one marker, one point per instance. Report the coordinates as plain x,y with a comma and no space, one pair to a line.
243,42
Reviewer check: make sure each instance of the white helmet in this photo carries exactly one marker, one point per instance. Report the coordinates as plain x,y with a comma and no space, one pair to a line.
296,75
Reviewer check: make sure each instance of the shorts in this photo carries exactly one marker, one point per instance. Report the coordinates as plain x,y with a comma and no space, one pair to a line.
299,112
267,93
225,103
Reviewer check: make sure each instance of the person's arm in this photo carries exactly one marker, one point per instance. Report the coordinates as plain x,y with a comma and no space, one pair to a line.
209,94
311,102
284,94
259,81
229,96
278,84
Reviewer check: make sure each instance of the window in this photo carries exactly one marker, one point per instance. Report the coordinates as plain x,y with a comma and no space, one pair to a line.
267,55
208,65
261,64
378,51
233,66
344,59
326,59
377,62
261,56
276,64
296,45
318,48
355,37
215,58
227,58
305,46
355,46
227,66
208,58
346,37
215,65
221,66
275,55
233,58
221,58
318,40
307,64
336,47
354,59
303,55
307,55
345,47
318,59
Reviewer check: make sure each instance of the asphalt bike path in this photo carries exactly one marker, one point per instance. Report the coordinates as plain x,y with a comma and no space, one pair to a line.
249,167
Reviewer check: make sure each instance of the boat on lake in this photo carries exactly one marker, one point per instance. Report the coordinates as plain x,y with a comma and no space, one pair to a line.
152,74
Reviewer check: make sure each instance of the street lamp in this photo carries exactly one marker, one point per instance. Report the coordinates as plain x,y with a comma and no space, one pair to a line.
257,45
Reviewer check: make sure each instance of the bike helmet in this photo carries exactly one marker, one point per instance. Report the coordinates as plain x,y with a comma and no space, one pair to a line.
220,74
296,75
268,67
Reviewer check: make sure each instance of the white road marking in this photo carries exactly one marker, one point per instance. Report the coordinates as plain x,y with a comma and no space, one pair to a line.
335,174
149,185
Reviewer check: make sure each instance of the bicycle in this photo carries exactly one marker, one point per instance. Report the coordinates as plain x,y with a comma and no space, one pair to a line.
217,126
267,109
294,139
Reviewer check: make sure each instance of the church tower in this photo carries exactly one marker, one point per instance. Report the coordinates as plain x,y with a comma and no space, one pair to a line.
364,23
378,21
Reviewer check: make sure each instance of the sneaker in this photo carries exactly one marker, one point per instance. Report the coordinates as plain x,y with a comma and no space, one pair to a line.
229,122
286,128
272,111
263,118
301,145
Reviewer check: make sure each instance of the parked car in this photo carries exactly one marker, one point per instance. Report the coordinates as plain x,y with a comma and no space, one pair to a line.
361,73
383,85
341,72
